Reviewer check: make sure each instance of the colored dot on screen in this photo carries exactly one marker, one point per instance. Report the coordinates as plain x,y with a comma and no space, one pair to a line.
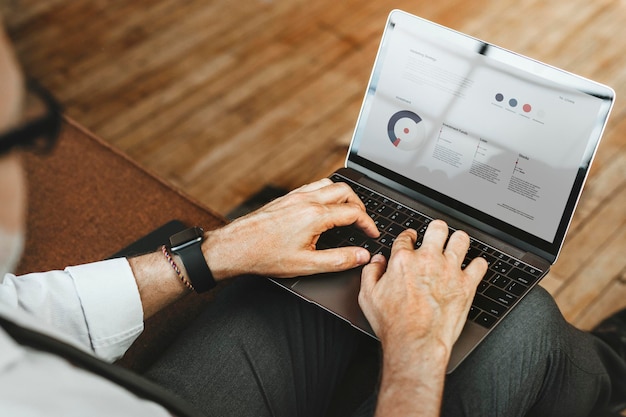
527,108
406,130
499,97
513,102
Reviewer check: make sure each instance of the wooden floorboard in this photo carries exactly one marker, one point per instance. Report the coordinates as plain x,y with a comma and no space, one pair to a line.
222,98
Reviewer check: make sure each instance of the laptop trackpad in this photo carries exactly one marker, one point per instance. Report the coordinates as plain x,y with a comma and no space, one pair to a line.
337,292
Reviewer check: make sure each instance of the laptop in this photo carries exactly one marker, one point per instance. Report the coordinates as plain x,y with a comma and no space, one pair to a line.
494,143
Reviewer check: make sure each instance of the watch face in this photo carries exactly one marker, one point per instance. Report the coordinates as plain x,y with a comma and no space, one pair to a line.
186,236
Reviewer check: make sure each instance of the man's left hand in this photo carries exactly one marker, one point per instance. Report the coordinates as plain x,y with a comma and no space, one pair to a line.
279,240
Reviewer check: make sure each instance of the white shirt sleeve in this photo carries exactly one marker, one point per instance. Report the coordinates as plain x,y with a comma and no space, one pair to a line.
97,304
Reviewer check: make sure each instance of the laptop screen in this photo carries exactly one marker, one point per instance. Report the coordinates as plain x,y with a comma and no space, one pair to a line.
485,132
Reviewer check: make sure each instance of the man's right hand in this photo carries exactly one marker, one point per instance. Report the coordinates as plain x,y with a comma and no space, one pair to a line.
417,304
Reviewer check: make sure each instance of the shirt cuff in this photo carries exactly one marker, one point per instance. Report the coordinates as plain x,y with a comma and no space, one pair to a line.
111,304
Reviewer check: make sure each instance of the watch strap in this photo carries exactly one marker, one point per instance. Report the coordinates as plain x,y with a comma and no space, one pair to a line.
197,269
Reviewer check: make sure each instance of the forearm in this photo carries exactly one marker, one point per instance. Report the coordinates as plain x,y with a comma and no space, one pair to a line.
412,382
157,282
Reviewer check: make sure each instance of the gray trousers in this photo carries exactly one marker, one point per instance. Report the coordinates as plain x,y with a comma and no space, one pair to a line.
260,351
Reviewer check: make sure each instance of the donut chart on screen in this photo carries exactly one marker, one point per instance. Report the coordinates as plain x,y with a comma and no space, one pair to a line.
406,130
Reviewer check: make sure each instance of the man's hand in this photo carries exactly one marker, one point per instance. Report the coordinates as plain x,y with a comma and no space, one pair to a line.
417,304
279,239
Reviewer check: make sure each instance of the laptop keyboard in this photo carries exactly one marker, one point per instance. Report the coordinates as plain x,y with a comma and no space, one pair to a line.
505,281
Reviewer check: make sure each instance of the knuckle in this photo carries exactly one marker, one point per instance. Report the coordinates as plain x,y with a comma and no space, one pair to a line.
438,224
429,256
344,259
403,255
460,234
297,197
343,186
362,297
407,235
316,210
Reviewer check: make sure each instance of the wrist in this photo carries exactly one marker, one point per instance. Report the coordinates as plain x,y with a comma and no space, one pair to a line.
408,357
220,257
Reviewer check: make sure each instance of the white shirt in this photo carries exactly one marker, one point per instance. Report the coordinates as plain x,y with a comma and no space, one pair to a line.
95,307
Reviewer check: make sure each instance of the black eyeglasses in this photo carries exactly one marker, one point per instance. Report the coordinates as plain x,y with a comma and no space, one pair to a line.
41,123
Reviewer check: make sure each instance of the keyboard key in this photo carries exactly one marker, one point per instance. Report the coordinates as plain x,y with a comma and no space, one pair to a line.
490,259
386,240
489,275
344,244
473,253
402,209
371,204
371,246
411,223
398,217
522,277
485,320
473,313
500,296
488,305
384,251
482,286
394,229
516,288
533,271
381,224
483,248
357,239
503,257
384,210
501,267
500,281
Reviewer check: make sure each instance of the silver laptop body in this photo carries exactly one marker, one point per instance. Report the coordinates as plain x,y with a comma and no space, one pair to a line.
494,143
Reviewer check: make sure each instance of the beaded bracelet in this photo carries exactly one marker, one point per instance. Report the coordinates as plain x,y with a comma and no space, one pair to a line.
176,269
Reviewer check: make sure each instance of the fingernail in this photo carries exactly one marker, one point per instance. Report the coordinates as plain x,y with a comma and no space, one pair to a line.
378,258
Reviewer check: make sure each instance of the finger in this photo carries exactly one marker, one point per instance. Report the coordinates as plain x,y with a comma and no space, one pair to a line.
405,240
457,247
334,260
324,182
436,235
349,214
476,270
338,192
372,273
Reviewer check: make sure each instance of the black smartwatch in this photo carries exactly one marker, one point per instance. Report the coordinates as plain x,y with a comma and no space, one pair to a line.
186,245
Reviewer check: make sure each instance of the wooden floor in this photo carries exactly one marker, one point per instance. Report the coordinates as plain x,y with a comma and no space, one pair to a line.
223,97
